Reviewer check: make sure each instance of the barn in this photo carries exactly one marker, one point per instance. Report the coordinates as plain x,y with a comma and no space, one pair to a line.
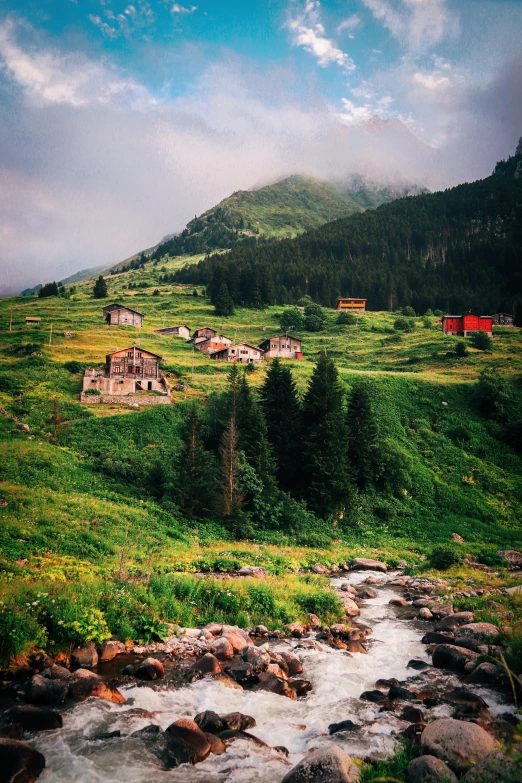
463,325
121,315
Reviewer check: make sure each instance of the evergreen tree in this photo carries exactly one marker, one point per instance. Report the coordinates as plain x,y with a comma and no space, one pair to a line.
224,304
281,409
230,496
100,288
49,289
196,486
325,478
252,435
363,454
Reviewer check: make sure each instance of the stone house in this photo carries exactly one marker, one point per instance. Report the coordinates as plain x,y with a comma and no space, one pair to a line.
127,371
282,346
243,353
206,331
121,315
503,319
175,331
212,344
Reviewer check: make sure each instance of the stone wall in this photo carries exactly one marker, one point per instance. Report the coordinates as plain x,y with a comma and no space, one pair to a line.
124,399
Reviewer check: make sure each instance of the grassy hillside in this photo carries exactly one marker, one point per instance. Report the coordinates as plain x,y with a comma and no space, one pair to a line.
82,506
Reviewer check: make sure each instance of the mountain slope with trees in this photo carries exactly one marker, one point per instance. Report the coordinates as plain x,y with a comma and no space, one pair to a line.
456,250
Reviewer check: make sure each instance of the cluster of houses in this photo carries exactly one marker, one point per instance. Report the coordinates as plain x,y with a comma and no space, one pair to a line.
220,347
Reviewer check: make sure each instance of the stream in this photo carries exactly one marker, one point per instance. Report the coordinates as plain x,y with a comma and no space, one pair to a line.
338,679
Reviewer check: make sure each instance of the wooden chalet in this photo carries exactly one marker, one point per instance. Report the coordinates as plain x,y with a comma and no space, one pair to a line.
128,371
29,319
121,315
351,304
242,353
206,331
462,325
282,346
214,344
175,331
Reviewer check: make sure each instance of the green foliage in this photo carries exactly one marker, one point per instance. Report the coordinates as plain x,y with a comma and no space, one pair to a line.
314,318
74,366
408,311
492,395
443,557
100,288
223,303
482,341
346,318
429,312
291,320
281,410
19,631
427,323
363,439
404,324
461,349
89,626
92,392
49,289
9,384
152,629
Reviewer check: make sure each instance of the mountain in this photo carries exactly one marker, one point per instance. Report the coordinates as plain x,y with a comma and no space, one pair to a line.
456,250
283,209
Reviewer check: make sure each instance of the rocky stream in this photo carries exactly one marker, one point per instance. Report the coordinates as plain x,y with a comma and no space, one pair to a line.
296,707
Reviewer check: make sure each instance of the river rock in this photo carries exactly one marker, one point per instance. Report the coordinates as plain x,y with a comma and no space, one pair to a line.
412,715
496,768
438,637
214,628
262,630
366,593
296,629
236,721
269,682
222,649
429,769
453,621
366,564
207,665
257,657
320,569
41,690
109,650
397,692
459,743
150,669
55,672
210,721
293,664
343,725
447,656
511,556
324,765
346,587
417,664
441,610
20,762
13,731
241,672
83,683
85,657
186,743
397,602
301,687
356,647
217,746
425,613
485,674
475,635
34,718
237,638
463,697
40,660
350,608
374,696
227,681
371,580
254,571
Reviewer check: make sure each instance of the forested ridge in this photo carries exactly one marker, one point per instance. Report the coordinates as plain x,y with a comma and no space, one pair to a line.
456,250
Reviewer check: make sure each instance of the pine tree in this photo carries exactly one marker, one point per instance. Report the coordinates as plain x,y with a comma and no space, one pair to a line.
325,478
224,304
100,288
363,454
196,484
252,435
282,412
230,497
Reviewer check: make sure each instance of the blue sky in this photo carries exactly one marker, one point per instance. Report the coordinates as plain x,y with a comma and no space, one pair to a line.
120,120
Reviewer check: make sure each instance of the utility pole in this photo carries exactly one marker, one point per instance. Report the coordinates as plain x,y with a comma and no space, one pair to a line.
51,335
192,364
11,321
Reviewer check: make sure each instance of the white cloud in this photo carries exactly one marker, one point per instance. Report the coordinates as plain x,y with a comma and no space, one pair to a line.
350,24
418,24
308,31
181,9
432,81
355,115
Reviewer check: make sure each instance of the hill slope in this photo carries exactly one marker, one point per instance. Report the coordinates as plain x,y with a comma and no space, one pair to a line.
456,250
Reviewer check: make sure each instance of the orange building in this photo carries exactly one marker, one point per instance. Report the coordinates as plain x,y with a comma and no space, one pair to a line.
349,303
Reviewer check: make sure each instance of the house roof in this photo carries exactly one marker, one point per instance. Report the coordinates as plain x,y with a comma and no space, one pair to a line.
137,347
202,329
465,314
113,307
351,299
279,337
176,326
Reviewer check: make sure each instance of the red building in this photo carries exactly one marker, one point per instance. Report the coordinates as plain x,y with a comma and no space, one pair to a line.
467,324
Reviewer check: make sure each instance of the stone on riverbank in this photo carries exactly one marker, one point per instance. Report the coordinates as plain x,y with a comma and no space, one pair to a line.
109,650
511,556
429,769
292,662
41,690
269,682
150,669
83,683
222,649
453,621
85,657
448,656
366,564
186,743
324,765
459,743
350,608
20,762
34,718
496,768
485,674
254,571
475,635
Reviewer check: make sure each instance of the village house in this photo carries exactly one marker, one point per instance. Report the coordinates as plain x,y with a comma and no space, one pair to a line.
117,314
503,319
214,344
351,304
243,353
32,320
282,346
128,371
175,331
463,325
205,332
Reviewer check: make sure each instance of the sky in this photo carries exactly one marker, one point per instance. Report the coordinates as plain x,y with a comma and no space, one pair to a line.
119,121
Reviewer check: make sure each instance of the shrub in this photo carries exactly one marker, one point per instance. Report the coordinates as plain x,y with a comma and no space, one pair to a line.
18,633
49,289
427,322
461,349
8,384
482,341
429,312
346,318
443,557
408,311
492,395
92,393
291,319
313,323
156,292
404,324
74,366
438,313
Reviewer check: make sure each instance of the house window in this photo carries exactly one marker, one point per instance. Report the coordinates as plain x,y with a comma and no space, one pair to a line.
232,350
129,354
117,368
244,351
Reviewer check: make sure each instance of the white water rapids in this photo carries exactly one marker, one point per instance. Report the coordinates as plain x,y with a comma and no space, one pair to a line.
338,680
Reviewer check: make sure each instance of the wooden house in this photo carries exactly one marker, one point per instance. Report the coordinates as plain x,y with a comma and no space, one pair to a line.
463,325
128,371
282,346
351,304
175,331
121,315
29,319
503,319
206,331
243,353
214,344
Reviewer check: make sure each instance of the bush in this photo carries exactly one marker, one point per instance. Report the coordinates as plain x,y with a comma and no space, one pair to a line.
461,349
74,366
404,324
438,313
157,293
346,318
408,311
18,633
313,323
482,341
492,395
429,312
291,319
8,384
92,393
443,557
427,322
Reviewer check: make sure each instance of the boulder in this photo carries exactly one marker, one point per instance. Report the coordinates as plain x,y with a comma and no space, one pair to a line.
374,696
56,672
269,682
348,588
496,768
447,656
366,594
371,580
397,693
453,621
461,696
320,569
186,743
253,571
210,721
366,564
241,673
356,647
425,613
217,746
438,637
257,657
296,629
34,718
222,649
511,556
456,537
350,608
40,660
12,731
429,769
207,664
343,725
83,683
85,657
227,681
41,690
412,715
474,635
397,602
236,721
485,674
150,669
441,610
293,664
214,628
237,638
459,743
329,764
262,630
20,762
417,664
301,687
109,650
